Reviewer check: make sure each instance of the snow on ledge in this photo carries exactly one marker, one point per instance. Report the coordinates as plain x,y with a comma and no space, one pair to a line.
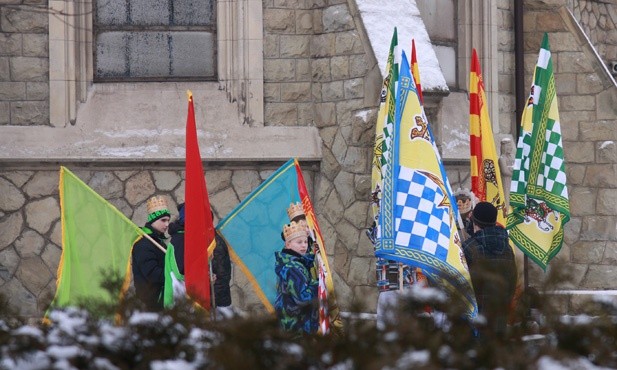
380,17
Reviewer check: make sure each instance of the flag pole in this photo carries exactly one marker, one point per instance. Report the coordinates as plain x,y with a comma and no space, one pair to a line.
155,243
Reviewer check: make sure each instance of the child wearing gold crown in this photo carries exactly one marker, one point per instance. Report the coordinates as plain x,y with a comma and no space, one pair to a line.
148,261
296,290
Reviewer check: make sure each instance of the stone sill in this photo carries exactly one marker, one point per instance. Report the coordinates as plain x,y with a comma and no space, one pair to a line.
145,122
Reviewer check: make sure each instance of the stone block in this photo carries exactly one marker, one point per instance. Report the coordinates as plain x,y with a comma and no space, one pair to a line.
30,113
43,183
323,45
165,180
588,83
107,185
348,234
342,183
279,70
582,200
279,20
334,210
330,167
35,45
224,202
303,70
599,277
12,91
325,114
37,90
296,92
569,131
304,21
563,41
56,232
606,103
271,45
348,43
357,159
576,116
359,268
41,214
21,19
573,62
12,199
359,66
218,180
572,230
565,84
596,228
579,152
339,67
610,254
5,110
606,152
22,300
598,130
601,175
357,211
11,44
33,274
354,88
332,91
575,173
281,114
337,18
607,202
305,114
5,70
272,92
365,296
577,102
11,226
317,21
244,181
587,252
294,46
321,71
29,69
549,22
139,188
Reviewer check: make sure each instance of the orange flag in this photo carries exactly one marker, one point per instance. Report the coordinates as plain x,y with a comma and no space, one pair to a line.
485,174
198,229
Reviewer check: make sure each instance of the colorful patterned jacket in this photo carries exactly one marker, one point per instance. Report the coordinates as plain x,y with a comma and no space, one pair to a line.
296,292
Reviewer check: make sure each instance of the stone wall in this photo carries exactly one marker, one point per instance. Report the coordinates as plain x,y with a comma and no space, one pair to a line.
598,19
24,63
31,237
506,71
587,100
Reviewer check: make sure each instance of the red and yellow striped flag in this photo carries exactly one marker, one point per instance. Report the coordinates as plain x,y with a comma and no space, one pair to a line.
486,181
415,71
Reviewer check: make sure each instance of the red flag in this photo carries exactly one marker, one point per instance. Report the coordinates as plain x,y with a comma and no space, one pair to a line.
415,71
199,229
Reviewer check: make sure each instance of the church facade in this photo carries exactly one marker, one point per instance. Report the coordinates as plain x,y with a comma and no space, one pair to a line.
101,89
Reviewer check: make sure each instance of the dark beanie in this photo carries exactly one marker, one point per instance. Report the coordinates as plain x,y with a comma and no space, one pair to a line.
181,212
484,214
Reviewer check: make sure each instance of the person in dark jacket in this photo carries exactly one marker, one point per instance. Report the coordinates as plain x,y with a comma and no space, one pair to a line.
492,268
147,260
221,263
296,290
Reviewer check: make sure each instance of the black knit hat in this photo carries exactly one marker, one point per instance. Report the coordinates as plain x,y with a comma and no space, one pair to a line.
484,214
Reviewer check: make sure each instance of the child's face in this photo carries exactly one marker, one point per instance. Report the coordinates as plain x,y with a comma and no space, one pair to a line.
298,245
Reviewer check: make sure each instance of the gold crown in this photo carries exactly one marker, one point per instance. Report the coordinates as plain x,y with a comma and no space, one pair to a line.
294,230
156,203
295,210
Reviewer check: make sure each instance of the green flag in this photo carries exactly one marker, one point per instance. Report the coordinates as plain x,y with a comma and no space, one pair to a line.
96,242
538,193
174,280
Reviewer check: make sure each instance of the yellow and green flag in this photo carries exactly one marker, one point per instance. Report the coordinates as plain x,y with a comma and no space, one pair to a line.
538,194
96,243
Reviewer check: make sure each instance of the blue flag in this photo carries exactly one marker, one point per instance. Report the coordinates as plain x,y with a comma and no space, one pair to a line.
417,223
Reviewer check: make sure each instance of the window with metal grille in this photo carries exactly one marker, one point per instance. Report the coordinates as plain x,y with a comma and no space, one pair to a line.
154,40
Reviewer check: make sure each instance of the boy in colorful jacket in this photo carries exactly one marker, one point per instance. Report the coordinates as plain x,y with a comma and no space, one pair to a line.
296,298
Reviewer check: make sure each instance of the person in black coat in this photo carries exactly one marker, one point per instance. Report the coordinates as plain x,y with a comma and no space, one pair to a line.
147,260
492,268
221,263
